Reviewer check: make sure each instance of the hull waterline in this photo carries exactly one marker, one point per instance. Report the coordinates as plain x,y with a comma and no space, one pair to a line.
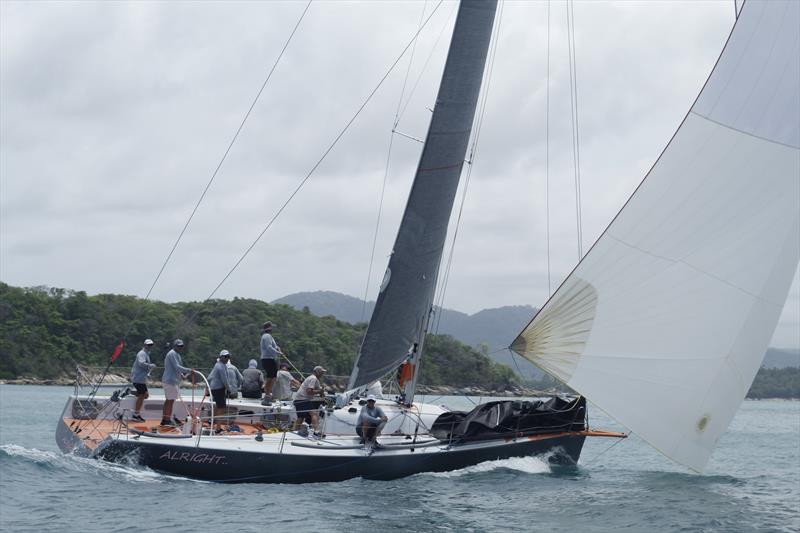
237,466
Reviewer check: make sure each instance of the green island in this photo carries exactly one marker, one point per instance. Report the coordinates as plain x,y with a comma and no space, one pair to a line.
45,332
776,383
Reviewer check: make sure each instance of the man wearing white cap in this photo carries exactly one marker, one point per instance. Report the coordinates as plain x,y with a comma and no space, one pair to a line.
218,383
174,371
309,398
370,422
141,369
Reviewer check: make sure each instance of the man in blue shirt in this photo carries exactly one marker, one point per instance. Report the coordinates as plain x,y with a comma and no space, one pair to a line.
370,422
139,373
174,371
218,383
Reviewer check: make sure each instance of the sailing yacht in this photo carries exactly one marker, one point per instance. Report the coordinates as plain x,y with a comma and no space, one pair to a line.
662,324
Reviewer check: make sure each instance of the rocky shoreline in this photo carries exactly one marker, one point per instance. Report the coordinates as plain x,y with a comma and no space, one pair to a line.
335,384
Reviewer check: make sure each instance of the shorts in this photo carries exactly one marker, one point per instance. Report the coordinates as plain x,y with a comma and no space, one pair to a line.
171,392
255,393
219,396
270,367
141,389
368,432
304,408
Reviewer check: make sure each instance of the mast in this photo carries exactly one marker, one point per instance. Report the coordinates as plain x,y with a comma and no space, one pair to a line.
397,328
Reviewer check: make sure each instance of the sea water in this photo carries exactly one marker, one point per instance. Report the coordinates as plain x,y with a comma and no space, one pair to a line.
752,484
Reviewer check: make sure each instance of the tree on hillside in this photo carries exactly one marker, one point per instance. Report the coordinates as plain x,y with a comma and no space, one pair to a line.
45,332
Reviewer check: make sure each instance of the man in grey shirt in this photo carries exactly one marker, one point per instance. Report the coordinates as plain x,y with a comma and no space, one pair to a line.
309,397
174,371
218,383
234,379
252,381
270,351
139,373
370,422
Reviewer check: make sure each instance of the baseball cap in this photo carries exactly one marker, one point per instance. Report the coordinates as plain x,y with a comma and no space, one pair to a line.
319,369
371,398
178,342
149,341
224,353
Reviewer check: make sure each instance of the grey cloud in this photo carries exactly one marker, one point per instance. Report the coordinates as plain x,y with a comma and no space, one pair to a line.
114,116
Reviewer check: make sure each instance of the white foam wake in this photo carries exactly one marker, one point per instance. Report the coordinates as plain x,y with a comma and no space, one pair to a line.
126,471
41,457
527,465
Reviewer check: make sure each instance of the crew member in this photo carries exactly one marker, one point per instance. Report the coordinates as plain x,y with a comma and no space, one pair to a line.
284,383
234,379
371,421
218,383
139,373
174,371
252,381
308,398
270,351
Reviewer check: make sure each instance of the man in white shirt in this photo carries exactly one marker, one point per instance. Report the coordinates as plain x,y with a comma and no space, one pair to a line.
284,382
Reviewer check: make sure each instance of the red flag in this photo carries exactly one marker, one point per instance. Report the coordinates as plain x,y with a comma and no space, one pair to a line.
117,351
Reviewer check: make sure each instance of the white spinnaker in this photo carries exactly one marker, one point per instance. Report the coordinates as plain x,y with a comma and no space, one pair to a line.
665,322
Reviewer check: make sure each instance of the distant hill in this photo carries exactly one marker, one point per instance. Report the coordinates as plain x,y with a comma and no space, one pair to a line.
328,303
494,328
781,358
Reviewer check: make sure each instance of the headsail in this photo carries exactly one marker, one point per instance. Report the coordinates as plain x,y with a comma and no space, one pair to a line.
408,286
675,304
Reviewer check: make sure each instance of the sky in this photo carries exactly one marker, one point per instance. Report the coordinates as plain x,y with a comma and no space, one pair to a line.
114,116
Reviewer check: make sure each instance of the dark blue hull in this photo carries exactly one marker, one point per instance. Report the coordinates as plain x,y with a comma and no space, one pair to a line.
231,466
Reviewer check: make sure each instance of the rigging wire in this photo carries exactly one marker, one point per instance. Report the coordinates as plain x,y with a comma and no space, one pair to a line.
514,358
547,158
206,189
324,155
408,70
473,152
227,151
573,86
398,116
596,457
217,169
386,169
427,61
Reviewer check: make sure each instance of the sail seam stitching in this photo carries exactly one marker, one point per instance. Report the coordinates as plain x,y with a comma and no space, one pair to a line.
709,274
717,122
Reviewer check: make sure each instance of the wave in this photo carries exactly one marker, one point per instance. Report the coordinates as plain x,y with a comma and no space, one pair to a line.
49,460
527,465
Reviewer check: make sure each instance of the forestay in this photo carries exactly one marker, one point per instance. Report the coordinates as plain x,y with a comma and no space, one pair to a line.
408,286
675,304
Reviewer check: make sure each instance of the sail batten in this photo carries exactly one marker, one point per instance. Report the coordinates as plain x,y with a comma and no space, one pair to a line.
689,280
406,294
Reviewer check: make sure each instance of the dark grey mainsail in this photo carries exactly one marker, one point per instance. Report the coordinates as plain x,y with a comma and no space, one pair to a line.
406,295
